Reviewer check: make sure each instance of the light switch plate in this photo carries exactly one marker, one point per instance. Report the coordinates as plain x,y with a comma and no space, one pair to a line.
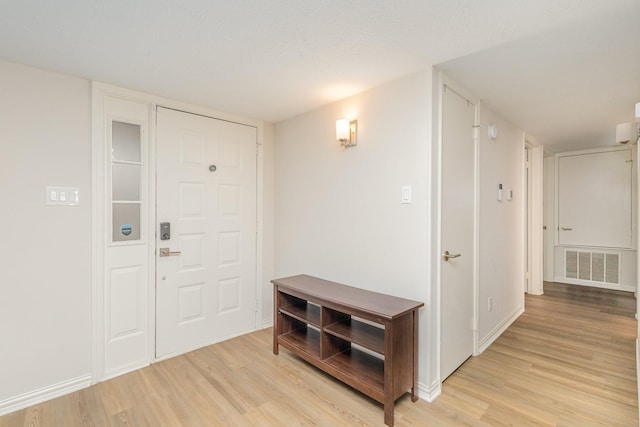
62,196
406,194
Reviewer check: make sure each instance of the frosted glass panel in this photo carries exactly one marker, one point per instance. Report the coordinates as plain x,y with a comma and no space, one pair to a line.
125,142
126,182
126,222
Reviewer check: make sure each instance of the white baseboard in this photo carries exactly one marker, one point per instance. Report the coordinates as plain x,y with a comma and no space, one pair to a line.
267,323
602,285
42,395
123,370
429,393
498,330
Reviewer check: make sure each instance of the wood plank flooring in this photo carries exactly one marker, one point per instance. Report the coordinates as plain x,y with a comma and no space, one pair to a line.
568,361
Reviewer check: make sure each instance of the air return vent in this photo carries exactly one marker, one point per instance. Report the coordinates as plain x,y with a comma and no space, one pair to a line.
592,266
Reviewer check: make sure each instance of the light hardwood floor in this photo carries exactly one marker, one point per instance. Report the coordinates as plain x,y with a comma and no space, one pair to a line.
568,361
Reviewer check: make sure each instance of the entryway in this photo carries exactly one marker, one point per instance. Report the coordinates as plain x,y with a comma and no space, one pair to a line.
162,291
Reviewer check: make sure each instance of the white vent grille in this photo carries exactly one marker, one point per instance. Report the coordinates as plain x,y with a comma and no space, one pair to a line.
597,267
571,270
592,266
612,268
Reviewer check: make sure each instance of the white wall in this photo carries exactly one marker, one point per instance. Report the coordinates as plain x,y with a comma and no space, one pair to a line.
338,211
45,299
501,234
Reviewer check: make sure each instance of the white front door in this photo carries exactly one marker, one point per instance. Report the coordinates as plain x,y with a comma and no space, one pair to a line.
206,191
457,231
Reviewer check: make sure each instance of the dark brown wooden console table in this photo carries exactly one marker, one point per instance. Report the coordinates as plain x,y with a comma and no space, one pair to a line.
313,319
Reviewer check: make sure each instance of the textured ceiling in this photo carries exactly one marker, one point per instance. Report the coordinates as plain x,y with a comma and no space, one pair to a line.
275,59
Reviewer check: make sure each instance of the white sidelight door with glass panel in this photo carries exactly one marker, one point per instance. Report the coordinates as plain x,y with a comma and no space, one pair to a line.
206,239
125,294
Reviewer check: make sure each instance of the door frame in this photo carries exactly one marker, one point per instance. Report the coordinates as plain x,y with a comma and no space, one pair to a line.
533,217
99,92
443,80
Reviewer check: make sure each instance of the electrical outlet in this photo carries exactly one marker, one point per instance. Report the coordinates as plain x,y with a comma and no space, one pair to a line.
489,304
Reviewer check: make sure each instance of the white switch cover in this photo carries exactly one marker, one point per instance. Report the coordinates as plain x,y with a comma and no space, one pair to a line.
62,196
406,194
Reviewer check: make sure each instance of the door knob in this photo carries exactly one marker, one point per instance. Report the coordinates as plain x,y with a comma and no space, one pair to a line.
167,252
447,256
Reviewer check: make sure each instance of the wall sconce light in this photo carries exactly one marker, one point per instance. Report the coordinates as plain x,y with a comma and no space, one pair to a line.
623,133
347,132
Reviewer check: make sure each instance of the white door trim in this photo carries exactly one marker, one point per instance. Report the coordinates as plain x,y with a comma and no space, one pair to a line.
535,215
476,230
99,92
97,233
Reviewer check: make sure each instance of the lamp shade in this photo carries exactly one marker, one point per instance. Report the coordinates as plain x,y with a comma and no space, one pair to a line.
623,133
342,130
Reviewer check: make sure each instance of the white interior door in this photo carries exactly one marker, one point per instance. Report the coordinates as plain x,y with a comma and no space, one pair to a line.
595,198
206,191
457,231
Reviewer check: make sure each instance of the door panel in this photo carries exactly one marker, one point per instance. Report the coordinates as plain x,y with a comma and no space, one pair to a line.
594,199
457,231
206,190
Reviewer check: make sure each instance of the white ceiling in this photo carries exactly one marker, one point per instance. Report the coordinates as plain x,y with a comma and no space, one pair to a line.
566,71
567,87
